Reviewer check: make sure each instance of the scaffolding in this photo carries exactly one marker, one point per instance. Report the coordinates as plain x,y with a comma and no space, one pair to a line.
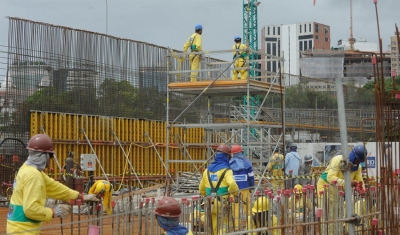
243,123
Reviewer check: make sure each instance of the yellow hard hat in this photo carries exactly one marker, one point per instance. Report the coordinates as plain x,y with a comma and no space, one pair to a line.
260,205
299,189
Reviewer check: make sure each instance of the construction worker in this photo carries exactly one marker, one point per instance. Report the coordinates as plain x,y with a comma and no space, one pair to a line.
333,173
244,177
305,170
275,168
218,182
32,186
240,59
292,164
296,203
167,214
103,189
195,44
259,217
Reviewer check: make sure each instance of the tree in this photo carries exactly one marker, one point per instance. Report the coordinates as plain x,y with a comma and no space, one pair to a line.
117,98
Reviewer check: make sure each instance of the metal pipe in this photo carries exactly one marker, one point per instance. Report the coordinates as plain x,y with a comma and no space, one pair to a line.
127,158
345,157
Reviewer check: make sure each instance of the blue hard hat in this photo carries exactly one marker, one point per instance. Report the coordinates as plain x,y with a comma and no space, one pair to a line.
198,26
359,153
237,37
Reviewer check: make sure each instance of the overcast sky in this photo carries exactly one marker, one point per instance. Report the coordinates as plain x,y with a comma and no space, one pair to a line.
170,22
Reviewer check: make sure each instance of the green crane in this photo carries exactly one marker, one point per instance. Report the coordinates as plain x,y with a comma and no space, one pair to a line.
250,38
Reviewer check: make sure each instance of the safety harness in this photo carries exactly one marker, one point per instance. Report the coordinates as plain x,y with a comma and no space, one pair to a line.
239,54
215,189
193,47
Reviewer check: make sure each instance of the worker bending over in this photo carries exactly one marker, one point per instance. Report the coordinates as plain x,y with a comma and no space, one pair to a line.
299,203
103,189
259,217
334,174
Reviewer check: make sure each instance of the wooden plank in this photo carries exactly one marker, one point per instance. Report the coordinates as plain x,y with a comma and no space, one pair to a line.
139,191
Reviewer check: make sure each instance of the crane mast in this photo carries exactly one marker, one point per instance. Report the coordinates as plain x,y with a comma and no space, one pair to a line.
250,38
351,40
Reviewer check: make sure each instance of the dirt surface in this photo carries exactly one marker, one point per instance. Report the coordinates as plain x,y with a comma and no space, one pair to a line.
54,227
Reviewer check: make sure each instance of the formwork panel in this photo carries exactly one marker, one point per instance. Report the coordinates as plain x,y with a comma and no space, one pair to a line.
68,132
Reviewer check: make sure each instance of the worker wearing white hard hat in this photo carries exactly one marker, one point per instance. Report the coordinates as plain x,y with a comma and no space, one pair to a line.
194,43
305,170
240,59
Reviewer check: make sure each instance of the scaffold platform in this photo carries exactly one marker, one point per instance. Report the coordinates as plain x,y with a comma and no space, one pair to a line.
224,87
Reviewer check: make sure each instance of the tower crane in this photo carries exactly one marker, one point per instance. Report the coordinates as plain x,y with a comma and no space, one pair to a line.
351,39
250,37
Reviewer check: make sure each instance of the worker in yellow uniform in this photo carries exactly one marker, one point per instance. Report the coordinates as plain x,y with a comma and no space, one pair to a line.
296,203
334,174
32,186
218,182
259,217
240,59
275,168
104,189
194,43
167,215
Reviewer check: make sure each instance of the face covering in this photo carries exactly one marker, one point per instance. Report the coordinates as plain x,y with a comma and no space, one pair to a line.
37,160
171,225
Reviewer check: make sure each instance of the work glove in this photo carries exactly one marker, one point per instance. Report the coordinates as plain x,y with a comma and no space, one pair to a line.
90,197
61,211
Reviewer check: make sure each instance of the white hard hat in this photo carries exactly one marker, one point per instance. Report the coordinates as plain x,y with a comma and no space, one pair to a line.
308,158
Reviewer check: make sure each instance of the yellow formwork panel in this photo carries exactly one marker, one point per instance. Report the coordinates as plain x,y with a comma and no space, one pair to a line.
68,132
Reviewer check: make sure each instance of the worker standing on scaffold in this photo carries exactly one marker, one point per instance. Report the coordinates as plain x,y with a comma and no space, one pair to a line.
240,59
194,42
218,182
244,177
333,173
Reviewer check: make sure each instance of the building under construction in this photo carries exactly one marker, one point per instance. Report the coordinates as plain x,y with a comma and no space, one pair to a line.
131,104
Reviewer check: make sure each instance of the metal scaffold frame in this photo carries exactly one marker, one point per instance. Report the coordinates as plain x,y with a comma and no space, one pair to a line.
240,119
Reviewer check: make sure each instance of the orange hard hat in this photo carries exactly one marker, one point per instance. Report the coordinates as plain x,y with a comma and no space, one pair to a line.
236,149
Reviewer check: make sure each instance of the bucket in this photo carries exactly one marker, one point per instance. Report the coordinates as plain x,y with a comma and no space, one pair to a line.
94,230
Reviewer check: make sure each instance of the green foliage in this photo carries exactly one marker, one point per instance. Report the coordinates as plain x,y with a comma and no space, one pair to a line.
299,96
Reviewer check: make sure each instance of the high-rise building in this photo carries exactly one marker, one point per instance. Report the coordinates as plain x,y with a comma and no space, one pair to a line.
395,55
288,41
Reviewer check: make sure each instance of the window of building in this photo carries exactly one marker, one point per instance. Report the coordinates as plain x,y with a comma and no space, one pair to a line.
316,28
316,36
279,30
268,31
269,48
305,45
274,52
269,66
274,66
300,28
309,28
305,28
273,30
310,44
326,39
326,30
301,45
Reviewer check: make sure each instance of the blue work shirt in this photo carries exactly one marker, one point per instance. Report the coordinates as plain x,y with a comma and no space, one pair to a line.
292,162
